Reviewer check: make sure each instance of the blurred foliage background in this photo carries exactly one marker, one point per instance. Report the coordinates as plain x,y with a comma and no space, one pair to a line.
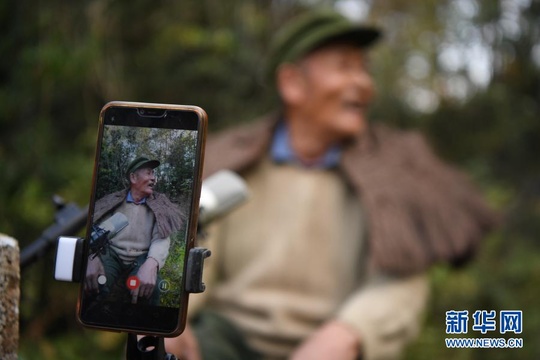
466,72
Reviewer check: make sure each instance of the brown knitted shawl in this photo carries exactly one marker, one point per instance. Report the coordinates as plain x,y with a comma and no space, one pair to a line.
169,217
420,210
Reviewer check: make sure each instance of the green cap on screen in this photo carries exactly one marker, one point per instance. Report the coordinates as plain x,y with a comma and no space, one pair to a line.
139,163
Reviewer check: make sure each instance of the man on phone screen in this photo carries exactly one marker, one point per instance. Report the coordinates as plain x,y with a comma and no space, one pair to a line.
132,241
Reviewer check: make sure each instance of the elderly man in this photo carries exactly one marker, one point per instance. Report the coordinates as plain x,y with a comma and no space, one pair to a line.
329,258
140,245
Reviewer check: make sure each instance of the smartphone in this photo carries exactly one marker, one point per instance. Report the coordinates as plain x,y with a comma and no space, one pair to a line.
142,218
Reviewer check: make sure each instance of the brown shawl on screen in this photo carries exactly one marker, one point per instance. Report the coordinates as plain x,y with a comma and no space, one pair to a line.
169,217
420,210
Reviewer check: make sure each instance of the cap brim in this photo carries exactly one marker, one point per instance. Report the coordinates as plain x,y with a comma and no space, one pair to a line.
152,164
361,36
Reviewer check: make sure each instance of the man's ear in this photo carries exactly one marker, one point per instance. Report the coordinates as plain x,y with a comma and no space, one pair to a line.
290,83
132,178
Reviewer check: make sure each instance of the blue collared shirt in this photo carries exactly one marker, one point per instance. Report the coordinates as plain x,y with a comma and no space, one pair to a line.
282,152
129,199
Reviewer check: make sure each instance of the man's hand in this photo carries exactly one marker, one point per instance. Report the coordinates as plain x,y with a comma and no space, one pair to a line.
93,271
184,346
147,275
333,340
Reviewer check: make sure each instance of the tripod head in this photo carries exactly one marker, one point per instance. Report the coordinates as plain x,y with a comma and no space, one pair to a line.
147,348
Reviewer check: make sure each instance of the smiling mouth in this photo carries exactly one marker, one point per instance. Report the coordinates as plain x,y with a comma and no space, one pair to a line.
354,105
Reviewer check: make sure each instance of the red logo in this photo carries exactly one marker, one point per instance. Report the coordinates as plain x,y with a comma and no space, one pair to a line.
132,282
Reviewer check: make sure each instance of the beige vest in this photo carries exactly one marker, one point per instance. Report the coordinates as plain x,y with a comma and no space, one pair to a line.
290,256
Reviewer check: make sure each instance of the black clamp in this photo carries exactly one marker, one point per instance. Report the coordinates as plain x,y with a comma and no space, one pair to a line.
194,283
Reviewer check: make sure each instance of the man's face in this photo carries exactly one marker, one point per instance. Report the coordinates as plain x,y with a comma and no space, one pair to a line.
336,91
143,181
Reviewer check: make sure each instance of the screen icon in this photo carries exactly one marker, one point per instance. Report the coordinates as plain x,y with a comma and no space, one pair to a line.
164,286
132,282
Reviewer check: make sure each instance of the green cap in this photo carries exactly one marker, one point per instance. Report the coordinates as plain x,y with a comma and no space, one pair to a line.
141,162
312,30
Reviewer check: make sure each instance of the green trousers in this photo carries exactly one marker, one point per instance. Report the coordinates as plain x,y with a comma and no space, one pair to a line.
117,274
219,339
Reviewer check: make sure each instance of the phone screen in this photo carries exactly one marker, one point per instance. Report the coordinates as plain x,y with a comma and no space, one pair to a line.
142,218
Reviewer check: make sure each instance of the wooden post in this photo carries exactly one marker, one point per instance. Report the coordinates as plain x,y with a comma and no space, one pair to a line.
9,297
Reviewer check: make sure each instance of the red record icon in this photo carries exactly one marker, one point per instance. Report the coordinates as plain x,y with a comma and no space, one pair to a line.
132,282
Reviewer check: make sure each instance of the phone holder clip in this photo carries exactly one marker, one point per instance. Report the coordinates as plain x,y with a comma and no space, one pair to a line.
69,256
68,267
